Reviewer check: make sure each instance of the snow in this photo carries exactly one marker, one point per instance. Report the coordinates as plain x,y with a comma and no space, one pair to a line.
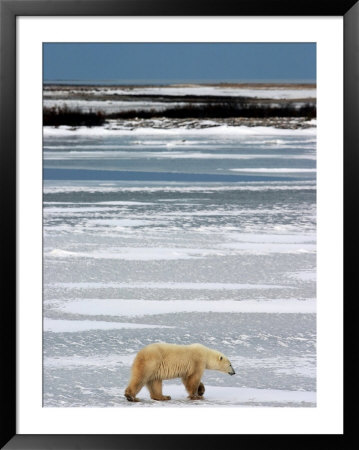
110,106
178,253
228,265
138,308
221,130
200,90
168,285
72,326
167,155
304,275
71,187
108,361
137,253
222,396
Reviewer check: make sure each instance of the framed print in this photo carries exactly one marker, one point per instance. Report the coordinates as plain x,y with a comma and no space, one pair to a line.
175,207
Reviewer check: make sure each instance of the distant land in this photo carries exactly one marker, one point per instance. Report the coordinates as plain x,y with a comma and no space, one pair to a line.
97,104
140,83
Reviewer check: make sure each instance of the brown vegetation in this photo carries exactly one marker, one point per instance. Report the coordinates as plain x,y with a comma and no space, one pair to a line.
74,117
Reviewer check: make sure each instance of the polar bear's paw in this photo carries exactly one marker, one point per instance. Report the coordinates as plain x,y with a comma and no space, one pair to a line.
195,397
130,397
161,397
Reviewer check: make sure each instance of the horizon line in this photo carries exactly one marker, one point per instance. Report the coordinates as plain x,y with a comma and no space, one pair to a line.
176,82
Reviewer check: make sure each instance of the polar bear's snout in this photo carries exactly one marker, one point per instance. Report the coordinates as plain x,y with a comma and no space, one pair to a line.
231,370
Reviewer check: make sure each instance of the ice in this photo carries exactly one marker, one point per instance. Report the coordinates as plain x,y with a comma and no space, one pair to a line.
304,275
177,253
216,395
173,155
221,130
109,361
276,170
72,326
54,205
138,308
230,265
139,253
263,248
274,238
168,285
291,365
260,92
105,188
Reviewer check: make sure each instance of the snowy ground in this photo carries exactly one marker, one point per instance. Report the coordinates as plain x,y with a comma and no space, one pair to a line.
282,92
182,236
223,396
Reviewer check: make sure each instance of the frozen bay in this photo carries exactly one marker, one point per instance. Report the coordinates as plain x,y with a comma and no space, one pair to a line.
180,235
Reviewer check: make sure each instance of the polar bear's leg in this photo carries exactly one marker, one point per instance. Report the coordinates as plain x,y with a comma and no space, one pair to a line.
135,384
192,385
138,379
155,388
132,389
201,389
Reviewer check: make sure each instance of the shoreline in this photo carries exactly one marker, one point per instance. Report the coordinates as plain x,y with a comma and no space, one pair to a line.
189,106
188,124
49,85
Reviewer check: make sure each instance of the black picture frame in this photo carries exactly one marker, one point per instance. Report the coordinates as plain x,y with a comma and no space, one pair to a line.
9,10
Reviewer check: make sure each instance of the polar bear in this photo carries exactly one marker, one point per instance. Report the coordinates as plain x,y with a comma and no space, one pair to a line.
162,361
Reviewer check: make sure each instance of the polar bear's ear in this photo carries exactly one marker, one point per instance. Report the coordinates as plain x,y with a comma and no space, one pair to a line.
220,358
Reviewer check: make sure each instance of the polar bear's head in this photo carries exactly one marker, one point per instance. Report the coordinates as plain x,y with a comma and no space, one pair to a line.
218,361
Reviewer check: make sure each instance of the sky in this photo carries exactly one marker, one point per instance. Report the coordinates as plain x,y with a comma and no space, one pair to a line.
161,63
